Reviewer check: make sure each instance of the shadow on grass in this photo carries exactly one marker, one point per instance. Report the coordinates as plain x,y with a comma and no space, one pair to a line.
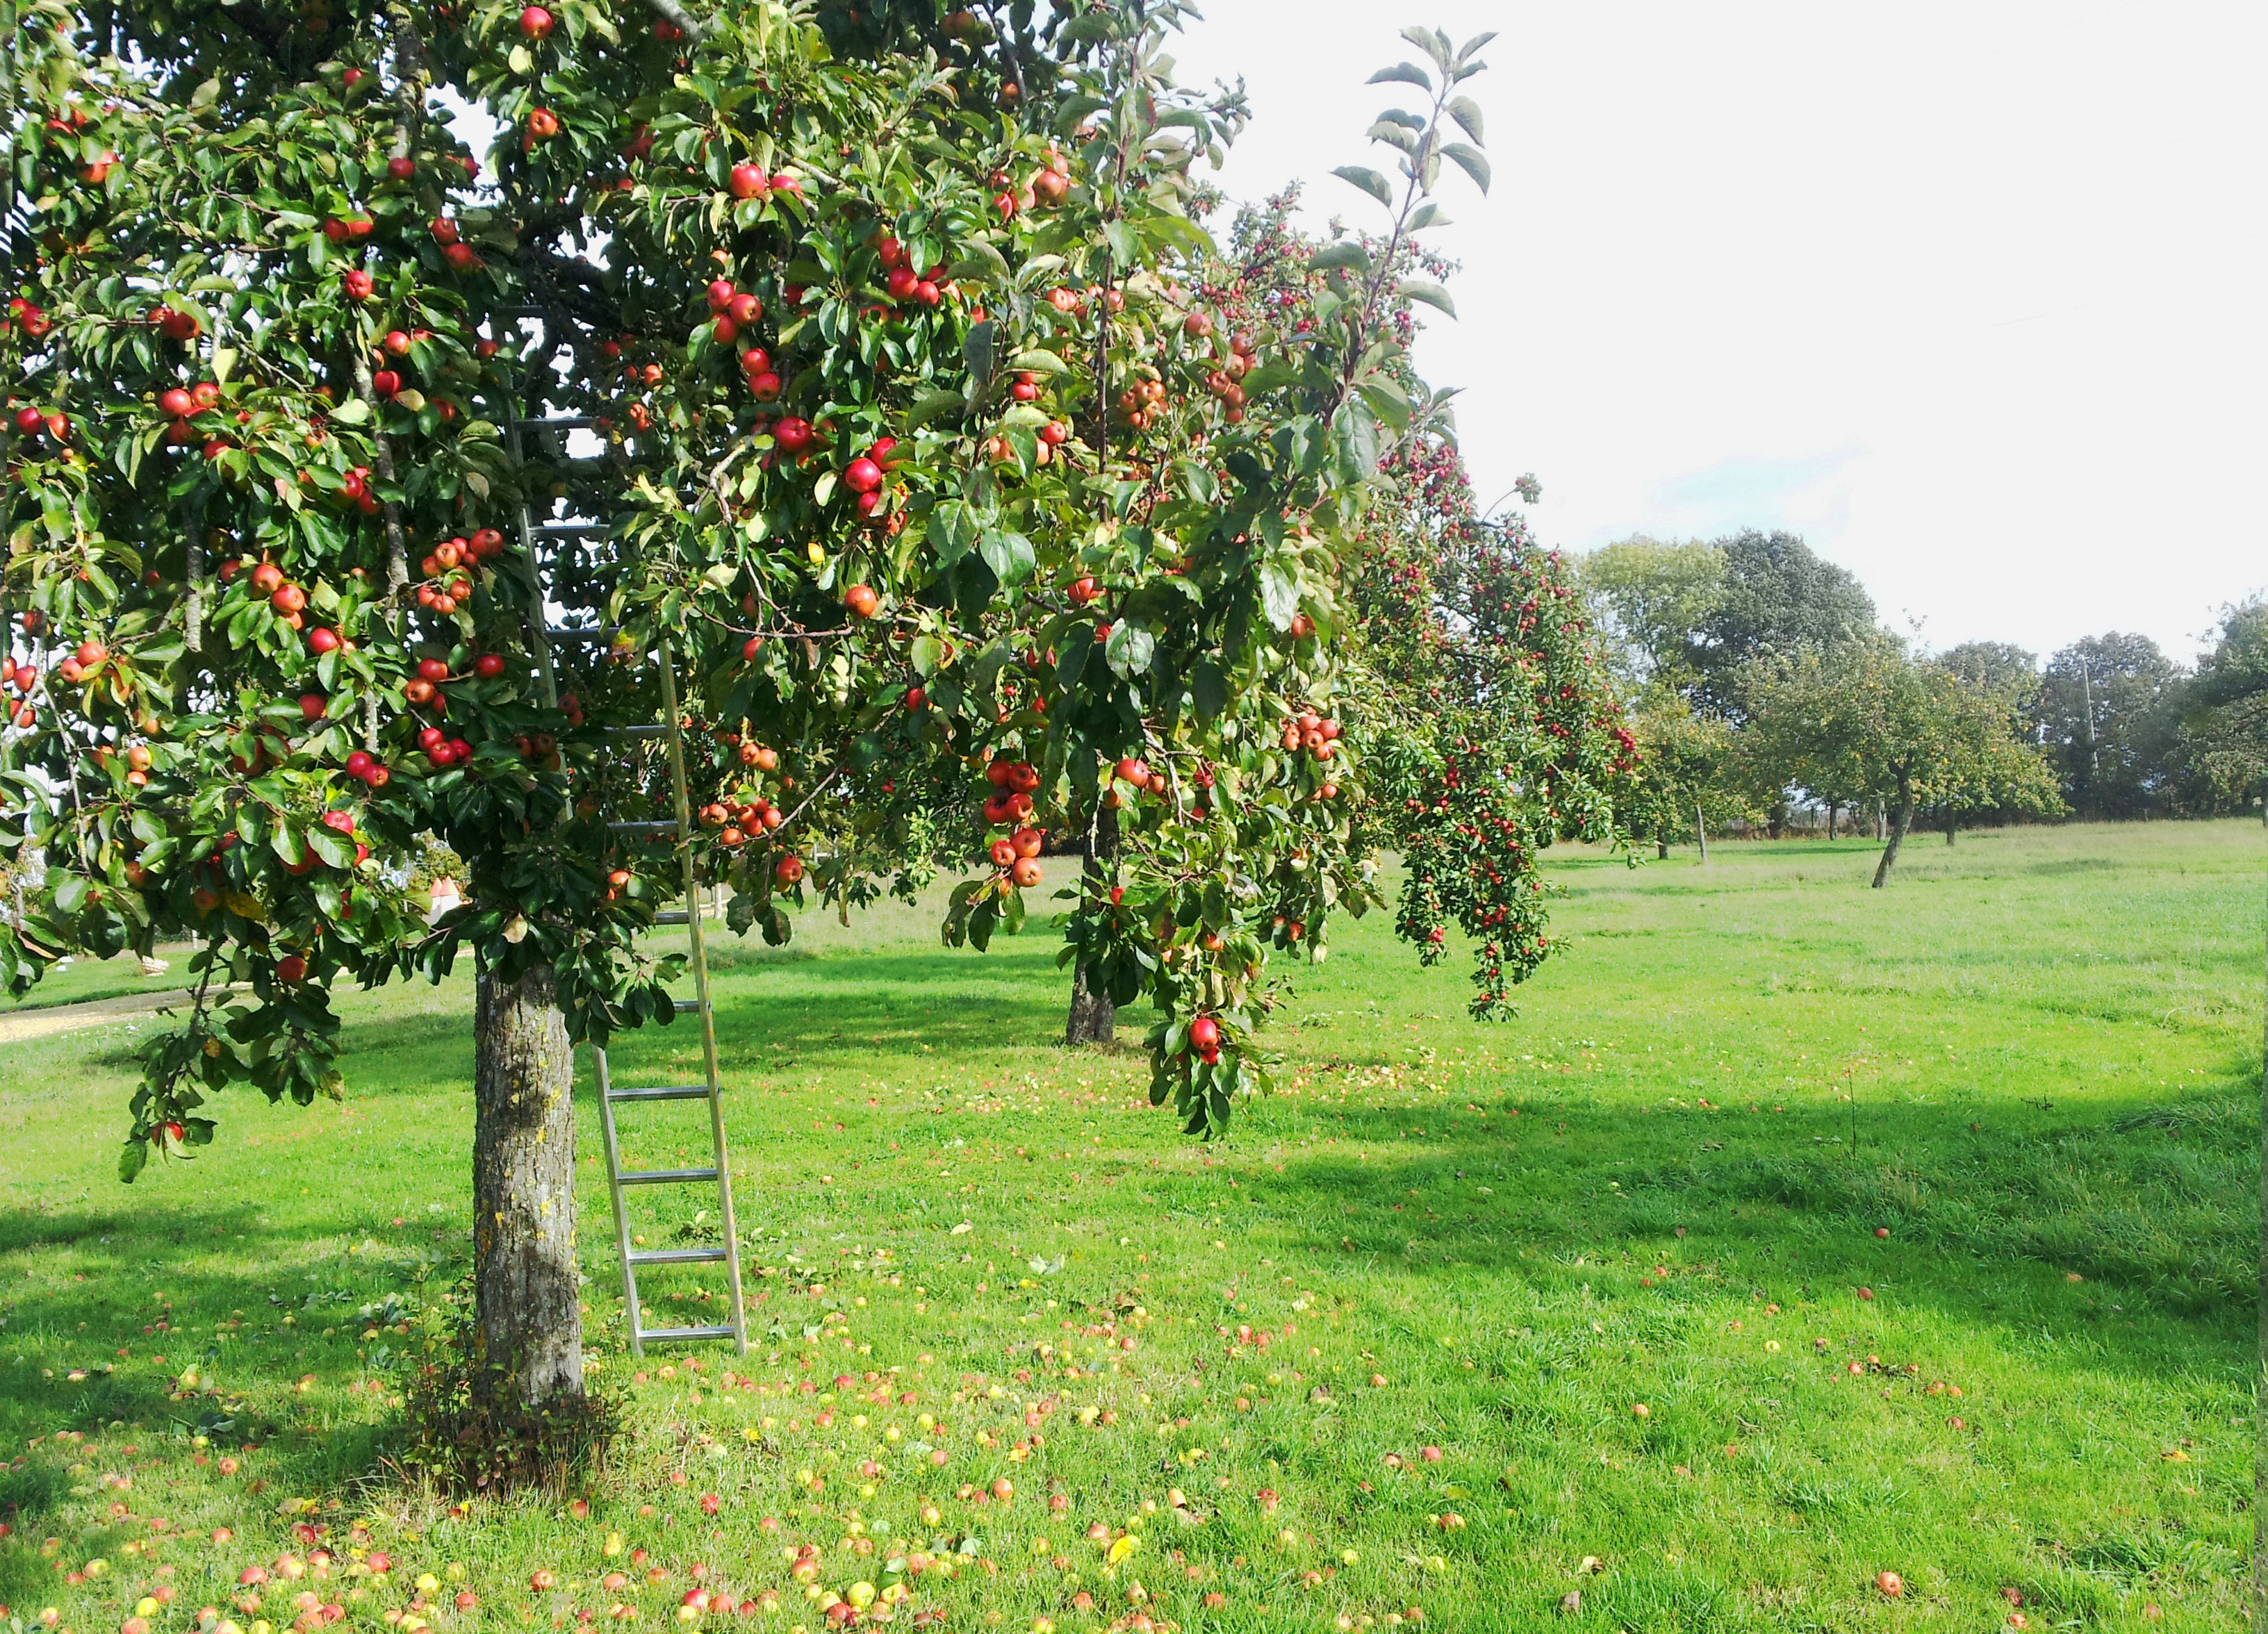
2156,1203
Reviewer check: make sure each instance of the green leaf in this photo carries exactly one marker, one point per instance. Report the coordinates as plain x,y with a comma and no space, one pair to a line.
1279,592
133,1157
1039,361
1393,135
980,351
1432,294
1467,112
1431,42
332,846
1345,253
1471,160
1369,181
1475,44
1130,648
1407,73
354,412
1009,556
1209,687
224,363
1386,400
1267,378
929,405
1428,215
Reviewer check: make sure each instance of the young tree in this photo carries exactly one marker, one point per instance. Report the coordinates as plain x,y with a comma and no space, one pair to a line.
1875,719
1687,779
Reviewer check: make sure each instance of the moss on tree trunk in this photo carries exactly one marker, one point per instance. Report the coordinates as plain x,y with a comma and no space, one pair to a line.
528,1315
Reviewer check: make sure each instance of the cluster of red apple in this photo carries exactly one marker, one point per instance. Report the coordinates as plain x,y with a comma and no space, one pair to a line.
385,381
1204,1038
178,405
736,822
900,278
25,680
32,421
449,584
1310,731
1139,403
756,369
1016,854
864,476
1137,774
749,181
24,315
1048,188
289,602
460,255
734,310
1241,358
138,761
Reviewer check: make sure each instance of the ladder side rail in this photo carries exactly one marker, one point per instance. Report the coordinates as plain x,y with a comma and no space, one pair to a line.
621,1209
706,1011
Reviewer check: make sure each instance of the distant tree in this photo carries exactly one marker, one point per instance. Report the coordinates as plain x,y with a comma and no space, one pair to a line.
1872,719
2108,712
1780,598
1648,600
1999,665
2221,745
1687,779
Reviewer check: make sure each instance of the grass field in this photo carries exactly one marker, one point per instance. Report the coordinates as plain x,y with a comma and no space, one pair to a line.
1921,1223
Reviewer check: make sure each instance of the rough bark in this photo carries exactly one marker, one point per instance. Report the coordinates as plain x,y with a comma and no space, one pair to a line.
527,1311
1901,820
1093,1015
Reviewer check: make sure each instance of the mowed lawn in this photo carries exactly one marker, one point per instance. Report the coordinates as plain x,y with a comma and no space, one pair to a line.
1794,1234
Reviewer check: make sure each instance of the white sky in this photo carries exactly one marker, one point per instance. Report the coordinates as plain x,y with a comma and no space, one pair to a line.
1970,296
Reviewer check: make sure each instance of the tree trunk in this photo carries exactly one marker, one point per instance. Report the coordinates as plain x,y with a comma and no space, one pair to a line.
1776,820
527,1307
1952,824
1834,814
1093,1015
1661,843
1903,821
1701,830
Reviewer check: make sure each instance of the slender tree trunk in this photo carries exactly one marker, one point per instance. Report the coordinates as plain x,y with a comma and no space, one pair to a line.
1834,814
526,1282
1952,824
1661,843
1899,824
1093,1015
1701,830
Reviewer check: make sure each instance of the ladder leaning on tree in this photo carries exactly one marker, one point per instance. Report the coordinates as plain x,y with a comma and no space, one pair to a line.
532,533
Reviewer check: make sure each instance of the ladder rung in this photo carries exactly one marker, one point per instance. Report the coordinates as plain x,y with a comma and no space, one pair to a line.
653,728
569,530
689,1006
604,633
673,1091
663,1177
666,825
675,1256
726,1332
673,916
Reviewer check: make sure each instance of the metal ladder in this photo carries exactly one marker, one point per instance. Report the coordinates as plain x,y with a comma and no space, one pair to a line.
711,1087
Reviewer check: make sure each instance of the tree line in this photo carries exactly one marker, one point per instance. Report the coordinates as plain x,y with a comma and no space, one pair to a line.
1761,683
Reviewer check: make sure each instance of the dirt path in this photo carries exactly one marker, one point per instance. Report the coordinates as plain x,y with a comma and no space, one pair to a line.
14,1030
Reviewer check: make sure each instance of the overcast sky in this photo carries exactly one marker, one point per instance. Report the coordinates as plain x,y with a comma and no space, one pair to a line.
1970,296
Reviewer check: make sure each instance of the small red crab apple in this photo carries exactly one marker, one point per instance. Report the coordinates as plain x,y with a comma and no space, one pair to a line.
1891,1583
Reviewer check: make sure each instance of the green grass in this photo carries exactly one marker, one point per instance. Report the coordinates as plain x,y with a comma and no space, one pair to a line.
2034,1062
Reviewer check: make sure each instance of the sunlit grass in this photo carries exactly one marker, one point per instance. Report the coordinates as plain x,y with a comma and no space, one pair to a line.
2032,1061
